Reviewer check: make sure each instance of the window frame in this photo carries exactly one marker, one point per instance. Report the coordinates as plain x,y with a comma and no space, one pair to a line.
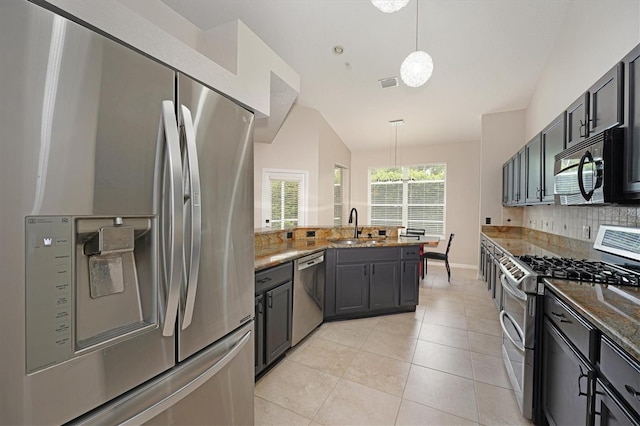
405,195
301,176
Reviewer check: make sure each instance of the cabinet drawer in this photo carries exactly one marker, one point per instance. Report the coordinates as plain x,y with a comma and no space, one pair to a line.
621,371
410,253
271,277
577,330
367,254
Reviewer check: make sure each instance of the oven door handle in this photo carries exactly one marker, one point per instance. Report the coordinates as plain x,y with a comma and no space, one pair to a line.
504,315
509,289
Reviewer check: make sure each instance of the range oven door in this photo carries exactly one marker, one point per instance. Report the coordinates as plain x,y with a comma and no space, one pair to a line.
517,319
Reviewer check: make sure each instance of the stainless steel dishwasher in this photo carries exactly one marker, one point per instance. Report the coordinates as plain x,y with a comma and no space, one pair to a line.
308,295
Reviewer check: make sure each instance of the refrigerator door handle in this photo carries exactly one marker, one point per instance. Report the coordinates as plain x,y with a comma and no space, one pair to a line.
185,390
169,139
196,215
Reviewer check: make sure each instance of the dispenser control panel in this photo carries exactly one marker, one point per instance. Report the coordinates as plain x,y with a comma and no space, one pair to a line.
49,305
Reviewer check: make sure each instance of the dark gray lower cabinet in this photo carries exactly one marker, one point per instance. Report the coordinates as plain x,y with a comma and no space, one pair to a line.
369,281
610,410
259,334
273,311
409,279
409,275
352,288
567,379
383,285
277,322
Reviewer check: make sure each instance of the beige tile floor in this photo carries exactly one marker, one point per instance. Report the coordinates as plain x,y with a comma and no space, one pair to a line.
439,365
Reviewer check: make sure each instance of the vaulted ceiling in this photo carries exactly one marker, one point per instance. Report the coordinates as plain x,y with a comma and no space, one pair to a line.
487,54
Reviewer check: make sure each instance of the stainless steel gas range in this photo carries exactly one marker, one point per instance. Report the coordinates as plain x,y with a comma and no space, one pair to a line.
522,285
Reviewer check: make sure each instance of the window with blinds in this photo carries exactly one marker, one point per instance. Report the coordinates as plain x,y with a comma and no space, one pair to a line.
340,195
283,201
411,196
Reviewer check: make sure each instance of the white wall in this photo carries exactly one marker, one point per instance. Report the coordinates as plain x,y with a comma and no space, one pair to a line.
304,142
594,37
462,194
502,136
332,151
152,27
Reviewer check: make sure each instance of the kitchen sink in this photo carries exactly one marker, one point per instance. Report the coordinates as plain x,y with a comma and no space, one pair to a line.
357,241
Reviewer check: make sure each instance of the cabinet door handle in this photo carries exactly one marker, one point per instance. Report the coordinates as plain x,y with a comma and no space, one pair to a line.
270,301
583,125
365,270
560,317
373,269
580,377
632,391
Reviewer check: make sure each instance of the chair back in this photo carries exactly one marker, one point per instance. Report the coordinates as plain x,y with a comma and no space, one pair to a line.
449,244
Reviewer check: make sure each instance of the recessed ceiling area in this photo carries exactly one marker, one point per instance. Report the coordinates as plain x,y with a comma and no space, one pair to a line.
487,54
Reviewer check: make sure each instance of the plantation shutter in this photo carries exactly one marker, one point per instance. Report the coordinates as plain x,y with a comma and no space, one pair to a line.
285,202
340,195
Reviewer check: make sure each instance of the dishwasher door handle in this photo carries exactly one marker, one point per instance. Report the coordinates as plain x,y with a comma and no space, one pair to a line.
309,261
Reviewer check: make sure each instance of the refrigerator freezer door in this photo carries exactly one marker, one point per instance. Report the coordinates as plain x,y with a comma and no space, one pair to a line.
79,116
214,387
225,293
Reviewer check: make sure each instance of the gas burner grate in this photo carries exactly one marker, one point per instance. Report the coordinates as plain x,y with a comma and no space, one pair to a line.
580,270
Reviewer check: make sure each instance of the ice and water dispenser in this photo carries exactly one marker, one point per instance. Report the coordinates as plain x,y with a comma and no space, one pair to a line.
90,282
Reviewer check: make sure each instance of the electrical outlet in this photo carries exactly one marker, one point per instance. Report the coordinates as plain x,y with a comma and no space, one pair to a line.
586,232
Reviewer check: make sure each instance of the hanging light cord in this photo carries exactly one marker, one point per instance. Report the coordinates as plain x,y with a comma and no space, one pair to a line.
417,2
395,158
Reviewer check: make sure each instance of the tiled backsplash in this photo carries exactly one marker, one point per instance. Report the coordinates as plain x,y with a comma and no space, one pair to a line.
569,221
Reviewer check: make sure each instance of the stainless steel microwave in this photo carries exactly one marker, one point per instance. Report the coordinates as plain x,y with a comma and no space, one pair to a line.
591,172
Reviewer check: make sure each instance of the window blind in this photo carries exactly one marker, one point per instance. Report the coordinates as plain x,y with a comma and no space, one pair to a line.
340,195
285,202
413,197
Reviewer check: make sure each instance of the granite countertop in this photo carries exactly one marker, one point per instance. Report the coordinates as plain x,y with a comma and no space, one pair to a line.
615,310
276,253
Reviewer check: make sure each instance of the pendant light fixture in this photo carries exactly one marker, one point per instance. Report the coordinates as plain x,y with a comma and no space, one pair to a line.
416,68
389,6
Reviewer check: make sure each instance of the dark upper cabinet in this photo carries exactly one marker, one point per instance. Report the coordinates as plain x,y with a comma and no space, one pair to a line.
533,165
606,100
632,124
510,165
553,142
578,120
505,183
520,179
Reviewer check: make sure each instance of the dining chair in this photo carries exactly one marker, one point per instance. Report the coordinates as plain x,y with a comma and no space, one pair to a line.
434,255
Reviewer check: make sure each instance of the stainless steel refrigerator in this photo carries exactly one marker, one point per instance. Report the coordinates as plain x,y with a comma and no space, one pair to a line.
126,234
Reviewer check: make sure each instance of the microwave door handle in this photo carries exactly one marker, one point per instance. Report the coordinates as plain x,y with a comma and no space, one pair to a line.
168,162
191,282
587,195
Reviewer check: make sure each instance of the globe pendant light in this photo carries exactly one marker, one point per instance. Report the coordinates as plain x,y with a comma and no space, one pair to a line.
389,6
416,68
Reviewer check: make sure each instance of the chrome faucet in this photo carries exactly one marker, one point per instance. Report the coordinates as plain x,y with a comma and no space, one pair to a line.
355,229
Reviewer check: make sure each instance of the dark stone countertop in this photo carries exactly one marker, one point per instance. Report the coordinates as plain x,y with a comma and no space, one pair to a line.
280,252
614,310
